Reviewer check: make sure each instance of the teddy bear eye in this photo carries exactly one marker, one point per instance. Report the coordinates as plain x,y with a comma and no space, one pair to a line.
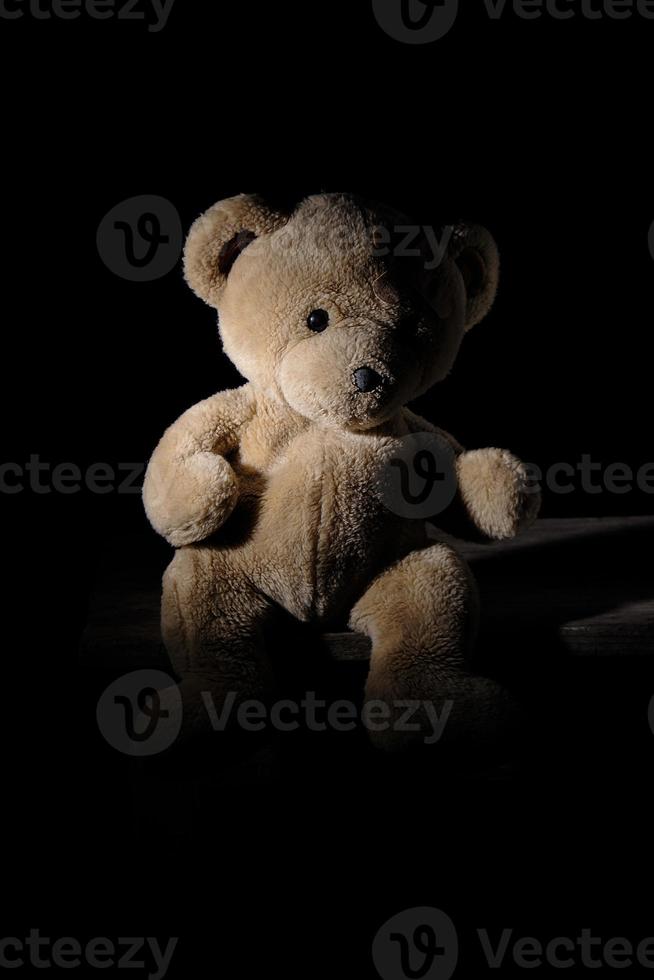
318,320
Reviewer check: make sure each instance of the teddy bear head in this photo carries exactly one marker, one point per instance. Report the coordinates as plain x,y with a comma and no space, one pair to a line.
341,309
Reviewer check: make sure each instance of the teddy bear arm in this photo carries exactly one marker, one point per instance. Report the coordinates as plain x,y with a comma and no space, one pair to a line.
190,489
494,498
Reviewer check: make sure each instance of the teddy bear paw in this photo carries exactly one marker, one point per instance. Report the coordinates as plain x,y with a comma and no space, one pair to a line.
192,500
497,491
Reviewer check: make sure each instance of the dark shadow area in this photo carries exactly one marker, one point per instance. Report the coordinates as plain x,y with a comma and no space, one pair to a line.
566,627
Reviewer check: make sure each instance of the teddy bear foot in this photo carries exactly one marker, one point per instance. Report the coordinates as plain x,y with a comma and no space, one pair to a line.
461,709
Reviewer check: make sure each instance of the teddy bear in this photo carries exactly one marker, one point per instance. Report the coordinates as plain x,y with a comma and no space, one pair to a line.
269,492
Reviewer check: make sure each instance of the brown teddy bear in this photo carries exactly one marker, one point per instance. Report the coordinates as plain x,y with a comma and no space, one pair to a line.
271,492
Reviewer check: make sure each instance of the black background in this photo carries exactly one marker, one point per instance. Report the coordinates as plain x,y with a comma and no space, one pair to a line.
538,129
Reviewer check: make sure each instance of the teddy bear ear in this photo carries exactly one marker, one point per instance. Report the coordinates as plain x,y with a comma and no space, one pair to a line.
219,236
475,253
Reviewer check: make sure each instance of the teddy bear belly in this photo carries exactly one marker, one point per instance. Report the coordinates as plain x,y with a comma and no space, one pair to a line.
319,537
313,562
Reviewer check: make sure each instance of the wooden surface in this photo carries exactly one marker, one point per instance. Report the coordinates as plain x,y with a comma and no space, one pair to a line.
576,587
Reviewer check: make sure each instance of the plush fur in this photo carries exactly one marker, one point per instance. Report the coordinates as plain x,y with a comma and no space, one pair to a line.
269,491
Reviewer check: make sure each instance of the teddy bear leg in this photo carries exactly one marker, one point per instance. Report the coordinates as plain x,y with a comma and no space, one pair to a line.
212,624
421,615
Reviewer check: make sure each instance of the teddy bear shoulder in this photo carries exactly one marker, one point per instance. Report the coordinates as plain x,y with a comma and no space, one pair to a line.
416,423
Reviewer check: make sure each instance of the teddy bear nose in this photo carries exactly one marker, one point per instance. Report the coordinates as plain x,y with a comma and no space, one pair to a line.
366,379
